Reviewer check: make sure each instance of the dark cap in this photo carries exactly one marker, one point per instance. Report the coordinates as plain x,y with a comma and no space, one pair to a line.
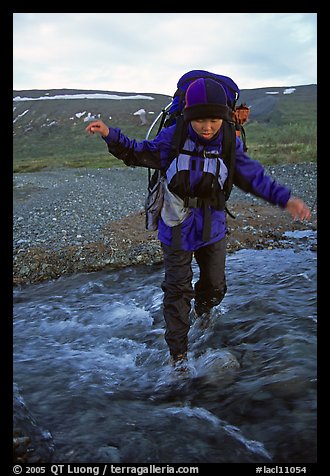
206,98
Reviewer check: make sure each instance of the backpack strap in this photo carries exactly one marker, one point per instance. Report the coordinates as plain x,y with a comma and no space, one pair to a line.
154,174
179,137
176,237
229,154
240,132
229,157
205,203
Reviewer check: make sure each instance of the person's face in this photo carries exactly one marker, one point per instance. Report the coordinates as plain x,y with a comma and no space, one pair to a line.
206,128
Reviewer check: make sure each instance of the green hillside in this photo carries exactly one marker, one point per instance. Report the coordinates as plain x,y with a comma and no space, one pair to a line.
287,132
50,133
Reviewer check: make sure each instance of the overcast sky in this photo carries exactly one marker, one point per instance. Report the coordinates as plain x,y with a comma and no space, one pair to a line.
148,52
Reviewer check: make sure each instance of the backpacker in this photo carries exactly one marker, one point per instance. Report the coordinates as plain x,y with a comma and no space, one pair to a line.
172,114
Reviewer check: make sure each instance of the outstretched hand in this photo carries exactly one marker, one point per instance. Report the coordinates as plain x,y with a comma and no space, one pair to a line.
99,127
298,209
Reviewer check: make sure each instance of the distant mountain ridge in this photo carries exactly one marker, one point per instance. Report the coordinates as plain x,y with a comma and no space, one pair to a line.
262,102
52,121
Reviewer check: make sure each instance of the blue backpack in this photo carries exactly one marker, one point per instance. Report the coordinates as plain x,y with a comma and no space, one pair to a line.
172,114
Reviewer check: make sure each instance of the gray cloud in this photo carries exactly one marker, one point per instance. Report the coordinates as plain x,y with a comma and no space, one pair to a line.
148,52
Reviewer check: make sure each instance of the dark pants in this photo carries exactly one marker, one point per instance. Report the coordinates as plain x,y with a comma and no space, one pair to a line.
209,290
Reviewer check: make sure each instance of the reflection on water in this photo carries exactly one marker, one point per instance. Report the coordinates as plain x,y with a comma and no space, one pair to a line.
91,362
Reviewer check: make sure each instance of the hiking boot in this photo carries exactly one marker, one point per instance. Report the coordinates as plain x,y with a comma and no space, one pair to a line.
179,362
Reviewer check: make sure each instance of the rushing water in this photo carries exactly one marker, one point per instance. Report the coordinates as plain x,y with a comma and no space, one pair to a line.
91,364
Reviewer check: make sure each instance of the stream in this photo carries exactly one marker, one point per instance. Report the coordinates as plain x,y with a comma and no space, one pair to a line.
91,365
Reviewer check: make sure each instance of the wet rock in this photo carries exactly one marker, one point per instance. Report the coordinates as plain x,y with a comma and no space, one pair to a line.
31,444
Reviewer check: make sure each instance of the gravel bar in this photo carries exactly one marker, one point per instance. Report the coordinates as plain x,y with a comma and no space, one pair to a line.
71,207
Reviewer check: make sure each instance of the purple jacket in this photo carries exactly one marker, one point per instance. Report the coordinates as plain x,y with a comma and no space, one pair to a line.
249,175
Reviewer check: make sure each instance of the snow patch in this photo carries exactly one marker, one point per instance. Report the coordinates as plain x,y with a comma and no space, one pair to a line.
92,117
20,115
286,91
140,112
83,96
289,90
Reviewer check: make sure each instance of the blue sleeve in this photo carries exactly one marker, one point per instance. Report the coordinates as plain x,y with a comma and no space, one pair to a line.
250,176
153,154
